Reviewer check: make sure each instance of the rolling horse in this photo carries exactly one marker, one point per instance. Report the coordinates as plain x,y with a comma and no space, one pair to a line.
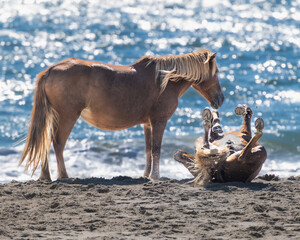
231,157
113,97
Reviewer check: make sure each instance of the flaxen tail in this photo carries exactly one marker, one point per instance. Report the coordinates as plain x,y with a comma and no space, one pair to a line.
42,128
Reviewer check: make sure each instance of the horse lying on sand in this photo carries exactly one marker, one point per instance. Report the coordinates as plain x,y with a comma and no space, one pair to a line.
234,156
113,97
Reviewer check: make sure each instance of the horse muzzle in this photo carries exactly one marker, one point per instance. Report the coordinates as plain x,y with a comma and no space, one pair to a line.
218,101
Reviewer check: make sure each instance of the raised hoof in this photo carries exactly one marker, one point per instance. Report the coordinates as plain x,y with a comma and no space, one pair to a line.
259,124
206,115
217,128
240,109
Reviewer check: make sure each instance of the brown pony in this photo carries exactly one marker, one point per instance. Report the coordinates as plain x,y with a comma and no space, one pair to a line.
234,156
113,97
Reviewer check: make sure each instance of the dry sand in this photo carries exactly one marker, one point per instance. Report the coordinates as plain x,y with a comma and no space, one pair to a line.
126,208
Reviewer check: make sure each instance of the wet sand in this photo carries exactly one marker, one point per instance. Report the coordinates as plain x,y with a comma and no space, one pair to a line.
126,208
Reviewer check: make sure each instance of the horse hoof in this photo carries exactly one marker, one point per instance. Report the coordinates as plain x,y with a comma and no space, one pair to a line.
205,146
47,179
240,109
146,174
217,128
206,115
259,124
154,176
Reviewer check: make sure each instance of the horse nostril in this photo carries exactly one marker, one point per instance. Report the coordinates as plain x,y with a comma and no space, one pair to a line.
219,99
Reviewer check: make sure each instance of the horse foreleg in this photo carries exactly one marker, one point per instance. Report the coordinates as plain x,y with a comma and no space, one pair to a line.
65,125
207,117
147,133
216,127
158,128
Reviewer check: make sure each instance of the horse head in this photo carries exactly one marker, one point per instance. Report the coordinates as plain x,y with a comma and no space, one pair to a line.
209,86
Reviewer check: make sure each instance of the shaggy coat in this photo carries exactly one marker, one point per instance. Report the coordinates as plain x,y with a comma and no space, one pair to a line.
234,156
113,97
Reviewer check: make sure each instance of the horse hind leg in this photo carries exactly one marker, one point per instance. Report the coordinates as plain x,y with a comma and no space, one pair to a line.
45,173
66,123
246,112
254,155
62,132
247,151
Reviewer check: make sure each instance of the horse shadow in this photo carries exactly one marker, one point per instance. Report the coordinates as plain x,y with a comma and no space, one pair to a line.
126,181
120,180
235,186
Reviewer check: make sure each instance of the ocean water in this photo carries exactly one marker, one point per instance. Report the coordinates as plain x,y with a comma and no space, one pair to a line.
258,56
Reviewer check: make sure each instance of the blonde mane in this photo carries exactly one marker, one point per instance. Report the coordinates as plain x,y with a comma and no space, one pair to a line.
209,162
192,67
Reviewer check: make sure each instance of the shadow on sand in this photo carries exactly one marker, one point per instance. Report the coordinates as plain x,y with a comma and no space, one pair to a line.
233,186
125,181
120,180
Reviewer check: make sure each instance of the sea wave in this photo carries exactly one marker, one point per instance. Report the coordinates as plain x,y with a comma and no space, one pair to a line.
258,58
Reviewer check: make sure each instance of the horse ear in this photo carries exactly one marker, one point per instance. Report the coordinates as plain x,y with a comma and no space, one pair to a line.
207,57
212,56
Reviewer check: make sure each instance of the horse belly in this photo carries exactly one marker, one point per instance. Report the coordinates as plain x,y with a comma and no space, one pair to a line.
233,141
106,120
118,101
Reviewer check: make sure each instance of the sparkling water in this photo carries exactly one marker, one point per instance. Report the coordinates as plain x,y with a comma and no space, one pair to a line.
258,57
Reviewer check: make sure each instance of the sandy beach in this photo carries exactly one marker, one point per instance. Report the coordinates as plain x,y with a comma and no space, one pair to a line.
127,208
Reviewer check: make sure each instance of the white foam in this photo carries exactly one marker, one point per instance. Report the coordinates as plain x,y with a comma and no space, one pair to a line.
281,168
244,27
83,163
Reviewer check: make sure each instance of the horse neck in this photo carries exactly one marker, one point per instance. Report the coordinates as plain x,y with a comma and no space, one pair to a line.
181,86
177,88
148,66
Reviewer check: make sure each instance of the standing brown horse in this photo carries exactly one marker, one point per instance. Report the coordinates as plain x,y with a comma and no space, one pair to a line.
113,97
